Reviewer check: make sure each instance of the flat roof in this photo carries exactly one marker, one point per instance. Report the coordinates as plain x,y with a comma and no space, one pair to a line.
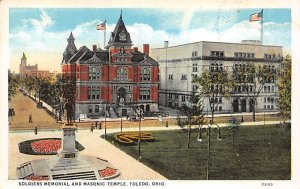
217,42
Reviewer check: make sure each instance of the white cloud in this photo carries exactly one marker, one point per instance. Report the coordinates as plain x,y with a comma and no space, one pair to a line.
44,22
40,41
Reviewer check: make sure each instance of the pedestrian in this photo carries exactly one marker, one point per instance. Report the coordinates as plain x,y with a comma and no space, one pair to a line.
242,119
30,118
79,120
92,129
127,117
96,124
167,123
100,125
35,130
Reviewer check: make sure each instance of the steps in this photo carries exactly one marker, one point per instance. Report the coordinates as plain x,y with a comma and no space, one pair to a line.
71,163
88,175
112,113
24,170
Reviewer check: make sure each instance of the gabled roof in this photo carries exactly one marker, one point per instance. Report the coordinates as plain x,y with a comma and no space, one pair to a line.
138,57
120,34
78,54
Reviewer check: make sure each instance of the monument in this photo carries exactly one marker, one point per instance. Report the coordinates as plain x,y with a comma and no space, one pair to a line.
68,164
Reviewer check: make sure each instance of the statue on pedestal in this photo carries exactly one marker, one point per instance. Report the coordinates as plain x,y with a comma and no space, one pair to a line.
69,110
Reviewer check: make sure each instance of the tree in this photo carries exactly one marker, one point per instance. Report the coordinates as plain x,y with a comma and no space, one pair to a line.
250,79
193,112
12,85
284,84
215,84
233,126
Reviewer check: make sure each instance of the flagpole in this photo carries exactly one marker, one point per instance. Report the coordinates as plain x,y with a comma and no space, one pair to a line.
262,27
104,35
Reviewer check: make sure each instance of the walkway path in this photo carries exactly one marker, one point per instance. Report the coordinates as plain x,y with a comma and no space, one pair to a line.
25,106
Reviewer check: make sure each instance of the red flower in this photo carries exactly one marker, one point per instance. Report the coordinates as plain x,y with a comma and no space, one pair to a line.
32,177
46,146
107,172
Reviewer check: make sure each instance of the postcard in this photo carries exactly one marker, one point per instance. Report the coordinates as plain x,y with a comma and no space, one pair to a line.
137,94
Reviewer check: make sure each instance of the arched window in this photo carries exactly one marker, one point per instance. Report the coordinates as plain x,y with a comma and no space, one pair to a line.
97,109
94,73
212,67
90,109
145,74
122,74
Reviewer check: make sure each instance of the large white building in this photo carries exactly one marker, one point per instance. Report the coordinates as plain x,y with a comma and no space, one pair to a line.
179,63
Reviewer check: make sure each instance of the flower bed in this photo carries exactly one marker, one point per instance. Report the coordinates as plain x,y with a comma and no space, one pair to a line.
44,146
32,177
129,138
107,172
49,146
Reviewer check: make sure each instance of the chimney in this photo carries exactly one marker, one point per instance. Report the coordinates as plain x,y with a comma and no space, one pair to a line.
166,44
146,49
135,49
94,48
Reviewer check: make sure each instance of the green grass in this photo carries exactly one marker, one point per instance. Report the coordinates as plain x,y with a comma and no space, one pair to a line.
259,153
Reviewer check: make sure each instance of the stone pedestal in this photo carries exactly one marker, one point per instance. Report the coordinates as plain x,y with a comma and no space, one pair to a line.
68,141
68,164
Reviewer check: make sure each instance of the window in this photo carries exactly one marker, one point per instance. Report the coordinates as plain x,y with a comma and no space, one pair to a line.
145,94
220,100
220,108
195,87
195,67
194,53
90,109
93,92
145,74
170,96
176,96
97,109
94,73
170,76
269,56
244,55
217,53
122,74
183,77
183,98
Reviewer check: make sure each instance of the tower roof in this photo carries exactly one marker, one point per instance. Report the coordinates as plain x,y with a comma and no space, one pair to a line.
24,56
120,34
71,36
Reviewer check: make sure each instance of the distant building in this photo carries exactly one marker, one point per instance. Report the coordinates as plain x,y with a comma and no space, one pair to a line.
119,78
31,71
178,64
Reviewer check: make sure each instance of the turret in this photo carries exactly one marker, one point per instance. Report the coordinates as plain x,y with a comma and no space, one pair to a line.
70,49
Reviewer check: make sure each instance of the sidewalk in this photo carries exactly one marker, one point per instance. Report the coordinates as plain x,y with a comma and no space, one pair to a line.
94,146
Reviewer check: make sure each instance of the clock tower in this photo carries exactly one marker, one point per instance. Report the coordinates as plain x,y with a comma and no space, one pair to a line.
120,43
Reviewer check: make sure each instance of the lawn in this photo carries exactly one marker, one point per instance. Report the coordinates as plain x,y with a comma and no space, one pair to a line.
259,153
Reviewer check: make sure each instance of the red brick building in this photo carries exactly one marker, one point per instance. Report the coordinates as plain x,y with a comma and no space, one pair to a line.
109,77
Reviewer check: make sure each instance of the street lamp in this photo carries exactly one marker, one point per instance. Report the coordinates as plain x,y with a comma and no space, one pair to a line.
105,109
139,141
209,126
122,104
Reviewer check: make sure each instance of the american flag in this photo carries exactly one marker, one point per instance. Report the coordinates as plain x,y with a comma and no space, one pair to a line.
256,16
102,26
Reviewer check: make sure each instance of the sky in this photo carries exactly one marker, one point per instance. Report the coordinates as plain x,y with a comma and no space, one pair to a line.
42,33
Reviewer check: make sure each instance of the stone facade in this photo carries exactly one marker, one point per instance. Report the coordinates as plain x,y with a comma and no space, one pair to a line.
31,71
179,63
